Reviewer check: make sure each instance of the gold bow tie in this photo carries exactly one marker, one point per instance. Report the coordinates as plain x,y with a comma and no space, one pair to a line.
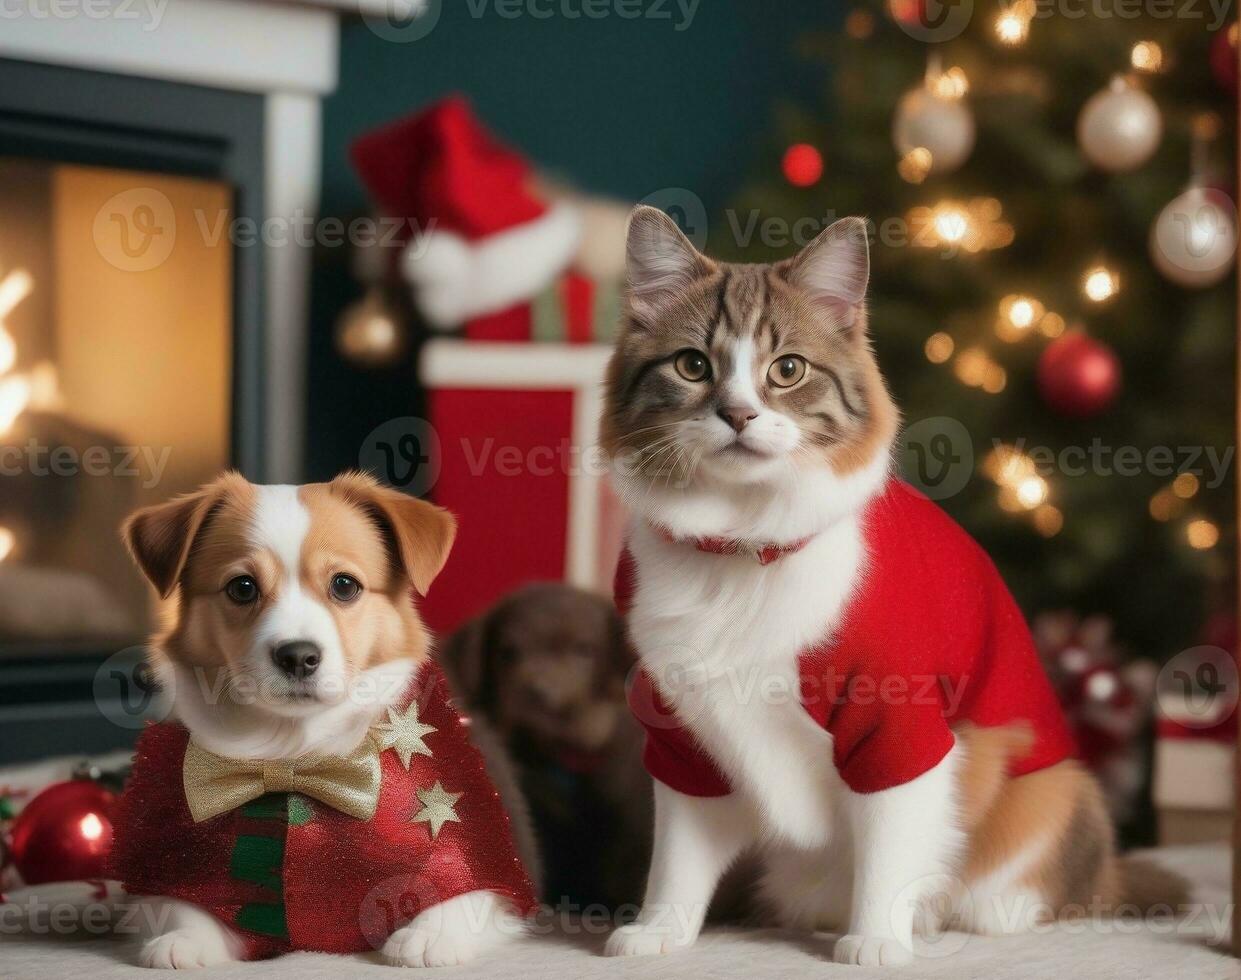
215,784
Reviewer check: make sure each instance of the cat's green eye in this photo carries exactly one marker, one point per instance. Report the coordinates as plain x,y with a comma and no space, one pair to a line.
693,365
787,371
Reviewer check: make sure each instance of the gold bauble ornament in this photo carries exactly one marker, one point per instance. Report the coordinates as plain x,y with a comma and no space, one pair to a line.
370,333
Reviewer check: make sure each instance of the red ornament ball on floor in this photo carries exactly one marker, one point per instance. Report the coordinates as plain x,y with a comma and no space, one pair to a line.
64,833
802,165
1078,376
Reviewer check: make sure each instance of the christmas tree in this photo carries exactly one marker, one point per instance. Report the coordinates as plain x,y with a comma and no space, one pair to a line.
1067,382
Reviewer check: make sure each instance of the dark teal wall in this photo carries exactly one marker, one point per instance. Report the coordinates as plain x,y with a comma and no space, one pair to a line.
620,106
623,107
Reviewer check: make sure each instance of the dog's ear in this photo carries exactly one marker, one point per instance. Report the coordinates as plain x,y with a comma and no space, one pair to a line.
160,537
420,534
465,658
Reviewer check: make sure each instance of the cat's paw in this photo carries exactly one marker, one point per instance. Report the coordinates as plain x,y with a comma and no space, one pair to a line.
642,939
184,949
871,951
419,946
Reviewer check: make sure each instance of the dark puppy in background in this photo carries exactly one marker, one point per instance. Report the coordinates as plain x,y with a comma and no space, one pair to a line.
545,670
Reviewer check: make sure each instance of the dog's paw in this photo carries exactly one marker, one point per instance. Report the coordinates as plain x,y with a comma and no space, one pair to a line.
183,949
638,939
871,951
421,946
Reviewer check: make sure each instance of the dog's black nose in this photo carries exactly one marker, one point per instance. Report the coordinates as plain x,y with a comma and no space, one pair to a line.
297,659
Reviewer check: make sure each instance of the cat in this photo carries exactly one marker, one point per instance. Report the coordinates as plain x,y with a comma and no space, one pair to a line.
833,674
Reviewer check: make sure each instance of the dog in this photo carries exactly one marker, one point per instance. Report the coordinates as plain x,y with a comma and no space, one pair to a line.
297,665
545,670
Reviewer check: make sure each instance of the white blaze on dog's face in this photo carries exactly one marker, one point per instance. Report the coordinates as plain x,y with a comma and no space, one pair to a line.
286,595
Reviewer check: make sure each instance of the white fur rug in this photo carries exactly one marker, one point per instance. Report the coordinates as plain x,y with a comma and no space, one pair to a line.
1194,947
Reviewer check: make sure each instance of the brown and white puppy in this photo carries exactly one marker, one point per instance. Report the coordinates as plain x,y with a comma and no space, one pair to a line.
545,669
289,631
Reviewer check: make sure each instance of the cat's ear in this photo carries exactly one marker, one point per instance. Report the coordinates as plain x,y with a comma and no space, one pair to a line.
659,261
834,270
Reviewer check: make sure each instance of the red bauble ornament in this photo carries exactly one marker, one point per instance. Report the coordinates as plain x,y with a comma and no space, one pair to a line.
1224,58
64,833
802,165
1078,376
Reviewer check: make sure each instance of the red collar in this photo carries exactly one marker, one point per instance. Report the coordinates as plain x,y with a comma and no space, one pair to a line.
764,554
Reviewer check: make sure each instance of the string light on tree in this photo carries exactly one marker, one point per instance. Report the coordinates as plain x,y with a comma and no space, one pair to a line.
1007,464
1052,325
1201,534
1048,520
1185,486
915,165
1012,23
1119,128
1099,283
1147,56
975,368
939,347
974,226
1017,315
802,165
1166,505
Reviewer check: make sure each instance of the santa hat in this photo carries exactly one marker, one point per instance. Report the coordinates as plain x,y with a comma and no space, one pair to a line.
483,240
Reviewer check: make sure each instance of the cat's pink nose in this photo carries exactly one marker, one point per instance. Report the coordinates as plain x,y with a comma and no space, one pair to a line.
737,418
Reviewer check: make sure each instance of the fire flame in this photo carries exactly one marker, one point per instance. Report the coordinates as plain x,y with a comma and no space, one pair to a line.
37,388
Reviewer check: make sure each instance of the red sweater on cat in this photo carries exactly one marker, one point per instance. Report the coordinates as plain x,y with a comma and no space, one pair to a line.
931,638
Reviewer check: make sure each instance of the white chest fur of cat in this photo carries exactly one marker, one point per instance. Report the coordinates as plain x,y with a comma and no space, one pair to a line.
721,637
745,407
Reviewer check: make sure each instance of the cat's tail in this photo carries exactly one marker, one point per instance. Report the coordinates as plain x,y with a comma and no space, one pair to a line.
1146,887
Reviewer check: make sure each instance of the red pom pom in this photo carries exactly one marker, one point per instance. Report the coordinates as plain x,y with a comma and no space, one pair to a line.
1223,58
1078,375
802,165
65,833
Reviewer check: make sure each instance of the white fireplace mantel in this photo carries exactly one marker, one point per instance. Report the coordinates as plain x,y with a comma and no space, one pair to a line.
286,52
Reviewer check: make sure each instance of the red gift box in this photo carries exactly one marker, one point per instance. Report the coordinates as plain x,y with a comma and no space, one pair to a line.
518,463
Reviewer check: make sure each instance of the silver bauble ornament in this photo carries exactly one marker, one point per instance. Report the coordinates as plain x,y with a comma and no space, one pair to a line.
1194,238
942,126
1120,127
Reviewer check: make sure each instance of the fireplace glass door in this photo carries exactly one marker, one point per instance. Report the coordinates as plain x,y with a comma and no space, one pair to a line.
116,354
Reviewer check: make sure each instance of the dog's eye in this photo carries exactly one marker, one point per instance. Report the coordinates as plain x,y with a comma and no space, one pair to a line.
243,590
345,588
787,371
693,365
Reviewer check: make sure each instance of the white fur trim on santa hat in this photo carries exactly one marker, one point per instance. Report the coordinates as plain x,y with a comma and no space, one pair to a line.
455,280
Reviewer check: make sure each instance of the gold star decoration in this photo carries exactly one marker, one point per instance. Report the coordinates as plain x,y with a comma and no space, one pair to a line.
437,808
404,733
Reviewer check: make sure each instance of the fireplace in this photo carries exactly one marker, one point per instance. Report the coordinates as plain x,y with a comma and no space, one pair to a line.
133,365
